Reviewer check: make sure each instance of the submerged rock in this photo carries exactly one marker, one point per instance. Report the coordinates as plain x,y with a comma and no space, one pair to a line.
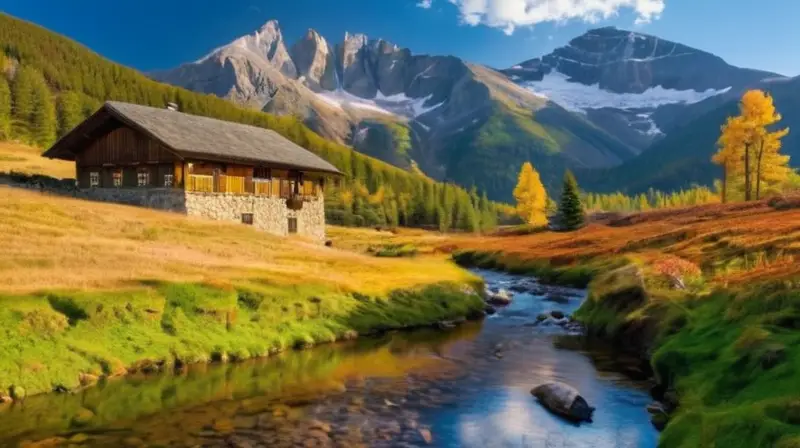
564,400
557,298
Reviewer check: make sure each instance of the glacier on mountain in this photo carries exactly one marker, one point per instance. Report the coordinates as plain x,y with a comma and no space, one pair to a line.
398,104
577,97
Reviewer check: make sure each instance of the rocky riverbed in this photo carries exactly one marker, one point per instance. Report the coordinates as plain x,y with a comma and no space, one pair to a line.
468,385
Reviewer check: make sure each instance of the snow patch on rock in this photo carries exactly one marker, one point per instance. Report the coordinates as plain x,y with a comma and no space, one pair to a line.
578,97
397,104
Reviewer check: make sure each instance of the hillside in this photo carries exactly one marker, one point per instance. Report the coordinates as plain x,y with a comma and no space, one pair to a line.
39,64
104,288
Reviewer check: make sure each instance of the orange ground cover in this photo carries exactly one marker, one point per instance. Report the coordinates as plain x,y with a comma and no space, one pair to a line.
751,240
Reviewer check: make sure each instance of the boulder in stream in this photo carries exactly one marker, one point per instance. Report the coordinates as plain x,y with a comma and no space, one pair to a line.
501,297
564,400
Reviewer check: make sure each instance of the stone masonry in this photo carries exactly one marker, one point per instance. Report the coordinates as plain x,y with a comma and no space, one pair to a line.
270,214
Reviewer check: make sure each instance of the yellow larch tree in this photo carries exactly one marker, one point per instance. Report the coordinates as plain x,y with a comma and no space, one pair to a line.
731,155
531,197
749,152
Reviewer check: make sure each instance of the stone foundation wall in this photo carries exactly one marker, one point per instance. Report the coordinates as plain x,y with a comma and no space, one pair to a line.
159,198
270,214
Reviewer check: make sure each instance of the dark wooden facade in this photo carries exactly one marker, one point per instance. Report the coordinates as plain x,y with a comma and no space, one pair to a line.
127,158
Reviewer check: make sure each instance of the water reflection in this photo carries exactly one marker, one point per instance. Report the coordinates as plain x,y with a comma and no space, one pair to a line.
465,387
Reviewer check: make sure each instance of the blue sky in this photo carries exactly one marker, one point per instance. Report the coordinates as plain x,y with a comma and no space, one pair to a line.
153,34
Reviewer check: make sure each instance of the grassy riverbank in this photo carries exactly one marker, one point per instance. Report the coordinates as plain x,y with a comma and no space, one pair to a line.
727,346
99,289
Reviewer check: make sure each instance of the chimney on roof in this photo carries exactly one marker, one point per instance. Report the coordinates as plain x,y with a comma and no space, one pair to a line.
172,106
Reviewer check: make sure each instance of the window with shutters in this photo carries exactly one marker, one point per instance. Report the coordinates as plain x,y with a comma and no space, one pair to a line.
292,225
247,218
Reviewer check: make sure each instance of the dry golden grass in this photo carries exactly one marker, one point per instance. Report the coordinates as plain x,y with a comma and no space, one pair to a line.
751,240
28,160
55,242
361,239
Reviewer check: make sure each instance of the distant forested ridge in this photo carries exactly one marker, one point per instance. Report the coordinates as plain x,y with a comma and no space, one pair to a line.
49,84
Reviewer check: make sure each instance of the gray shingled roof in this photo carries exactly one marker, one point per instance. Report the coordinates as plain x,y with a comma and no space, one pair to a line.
196,136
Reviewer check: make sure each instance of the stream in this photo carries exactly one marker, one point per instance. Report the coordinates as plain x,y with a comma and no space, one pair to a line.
468,386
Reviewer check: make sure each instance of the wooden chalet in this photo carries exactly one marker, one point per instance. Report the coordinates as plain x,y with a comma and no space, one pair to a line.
128,145
131,147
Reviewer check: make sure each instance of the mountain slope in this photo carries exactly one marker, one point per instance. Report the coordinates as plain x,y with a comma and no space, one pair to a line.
683,157
635,86
361,90
71,68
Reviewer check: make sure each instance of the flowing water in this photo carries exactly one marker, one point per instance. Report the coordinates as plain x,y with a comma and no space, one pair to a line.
468,386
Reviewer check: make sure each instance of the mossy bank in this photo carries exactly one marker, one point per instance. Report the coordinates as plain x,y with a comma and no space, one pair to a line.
60,341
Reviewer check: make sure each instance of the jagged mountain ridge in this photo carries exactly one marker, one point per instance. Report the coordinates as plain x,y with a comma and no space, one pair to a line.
455,113
635,85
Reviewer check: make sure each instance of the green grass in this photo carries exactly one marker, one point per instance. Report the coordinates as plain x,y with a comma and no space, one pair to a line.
394,250
736,366
577,275
49,339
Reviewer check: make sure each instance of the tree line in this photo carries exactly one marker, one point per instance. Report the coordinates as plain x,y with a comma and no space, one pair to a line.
652,200
49,84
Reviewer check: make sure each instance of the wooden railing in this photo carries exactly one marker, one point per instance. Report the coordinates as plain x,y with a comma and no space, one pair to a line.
221,183
197,182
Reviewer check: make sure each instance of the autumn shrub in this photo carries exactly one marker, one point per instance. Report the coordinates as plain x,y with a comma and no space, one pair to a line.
679,273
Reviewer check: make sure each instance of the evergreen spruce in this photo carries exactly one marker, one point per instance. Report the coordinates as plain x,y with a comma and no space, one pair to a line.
5,109
22,101
44,123
570,209
70,112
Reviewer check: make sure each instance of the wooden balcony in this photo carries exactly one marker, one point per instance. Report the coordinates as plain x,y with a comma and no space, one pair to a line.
221,183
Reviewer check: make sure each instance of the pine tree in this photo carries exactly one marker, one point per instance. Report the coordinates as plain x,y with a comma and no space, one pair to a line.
643,203
531,197
44,124
22,97
570,209
5,109
70,113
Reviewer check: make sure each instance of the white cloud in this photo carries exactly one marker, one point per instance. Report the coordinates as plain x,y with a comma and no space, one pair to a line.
510,14
424,4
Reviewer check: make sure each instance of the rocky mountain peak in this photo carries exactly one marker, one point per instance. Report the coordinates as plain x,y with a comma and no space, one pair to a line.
267,43
271,27
315,61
